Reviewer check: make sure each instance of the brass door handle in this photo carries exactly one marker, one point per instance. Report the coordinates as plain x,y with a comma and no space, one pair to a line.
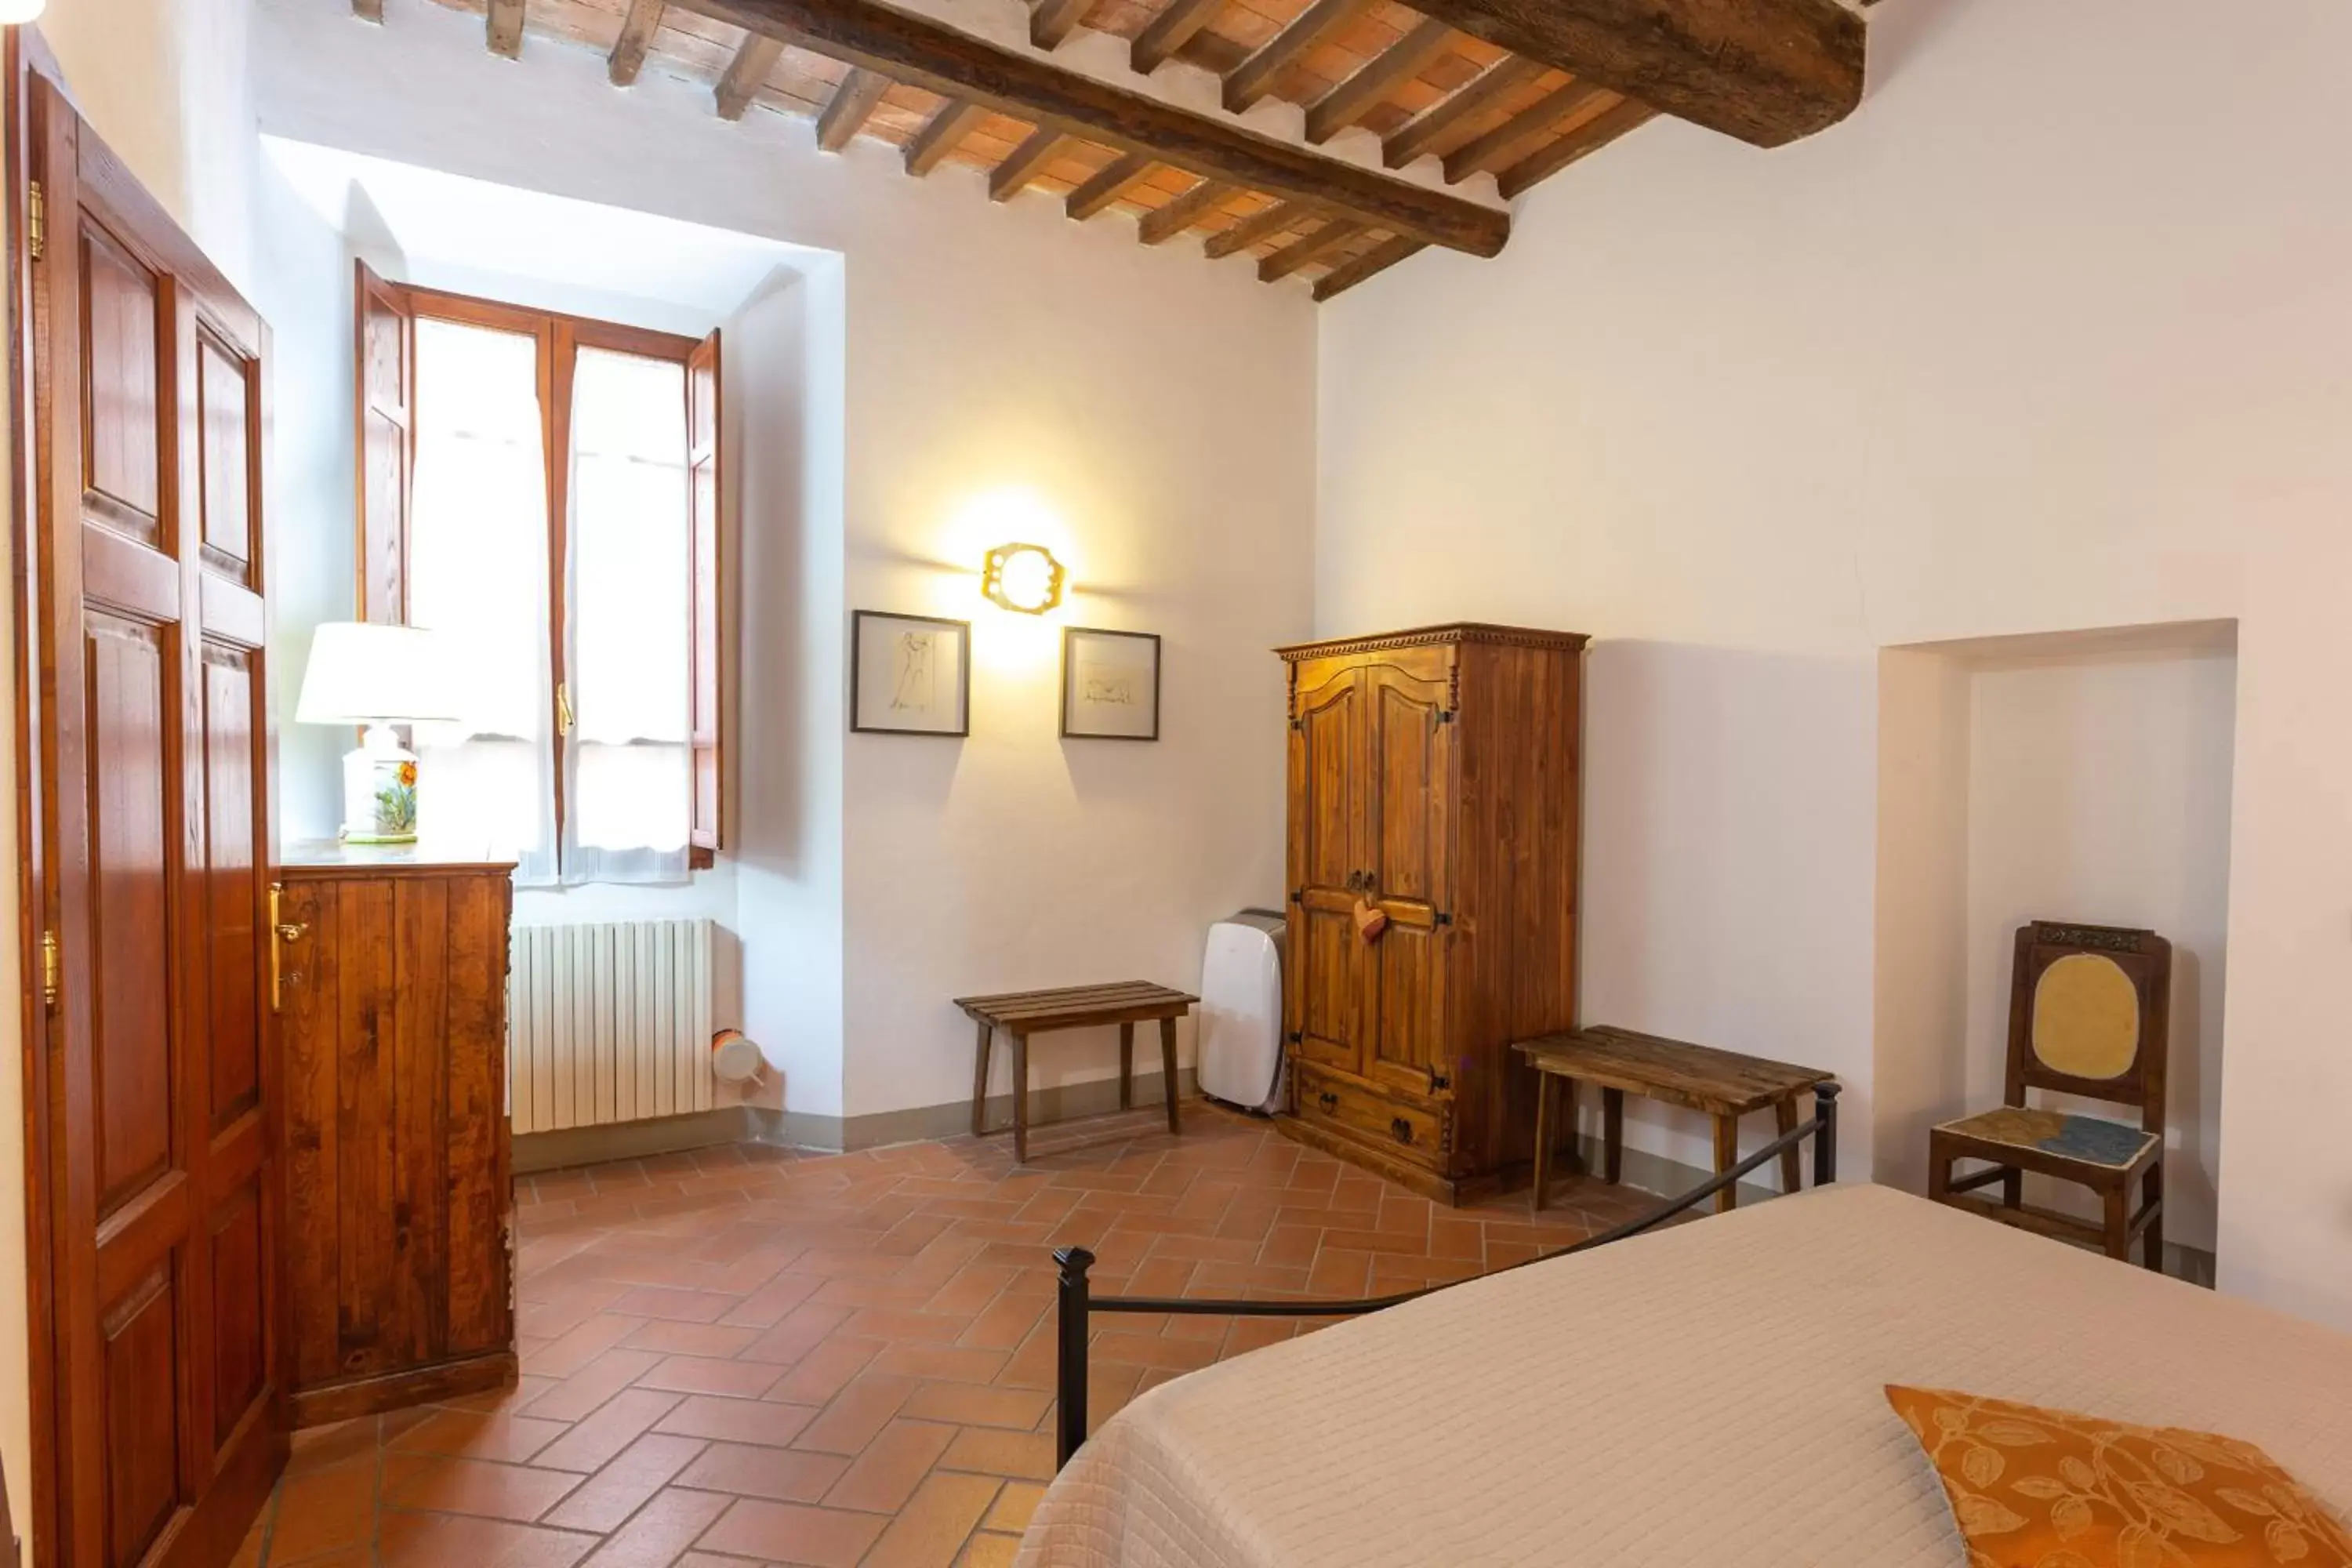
281,932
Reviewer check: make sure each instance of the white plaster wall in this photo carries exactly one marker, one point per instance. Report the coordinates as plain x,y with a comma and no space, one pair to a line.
1919,1000
1155,411
1178,495
2034,341
302,287
2099,790
168,85
789,706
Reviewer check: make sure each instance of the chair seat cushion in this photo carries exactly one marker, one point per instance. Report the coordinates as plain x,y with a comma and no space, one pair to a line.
2082,1138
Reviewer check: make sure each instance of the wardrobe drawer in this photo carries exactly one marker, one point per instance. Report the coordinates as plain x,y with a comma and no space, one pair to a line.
1412,1131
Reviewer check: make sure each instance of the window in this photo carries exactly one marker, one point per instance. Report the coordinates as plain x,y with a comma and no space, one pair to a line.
544,491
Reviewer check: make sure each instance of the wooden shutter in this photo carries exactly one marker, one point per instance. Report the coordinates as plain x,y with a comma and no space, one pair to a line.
385,358
706,678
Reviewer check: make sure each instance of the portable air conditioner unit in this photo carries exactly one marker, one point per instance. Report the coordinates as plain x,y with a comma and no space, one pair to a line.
1240,1053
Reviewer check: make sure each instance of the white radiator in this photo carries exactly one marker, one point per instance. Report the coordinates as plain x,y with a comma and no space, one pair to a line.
608,1022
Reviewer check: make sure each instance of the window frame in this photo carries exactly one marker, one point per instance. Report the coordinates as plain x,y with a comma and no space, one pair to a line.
558,337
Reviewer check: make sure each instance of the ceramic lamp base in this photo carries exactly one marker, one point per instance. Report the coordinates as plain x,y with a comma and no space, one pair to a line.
379,790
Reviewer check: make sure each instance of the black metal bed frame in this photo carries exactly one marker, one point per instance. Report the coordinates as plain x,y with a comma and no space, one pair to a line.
1074,1327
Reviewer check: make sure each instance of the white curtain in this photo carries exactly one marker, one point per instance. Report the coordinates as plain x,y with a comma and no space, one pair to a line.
627,637
477,574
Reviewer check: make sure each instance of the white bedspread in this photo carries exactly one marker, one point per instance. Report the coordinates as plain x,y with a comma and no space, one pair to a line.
1705,1396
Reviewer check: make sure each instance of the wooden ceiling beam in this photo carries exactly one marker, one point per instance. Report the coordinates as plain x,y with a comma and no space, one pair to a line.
1379,258
1263,224
953,121
1516,137
1170,31
502,25
1167,221
1590,137
1306,249
1351,100
746,74
1114,180
846,111
1024,164
1429,130
1766,71
1052,21
1254,78
954,64
636,35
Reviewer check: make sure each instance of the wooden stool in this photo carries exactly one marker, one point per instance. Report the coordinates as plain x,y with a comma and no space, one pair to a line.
1022,1014
1724,1084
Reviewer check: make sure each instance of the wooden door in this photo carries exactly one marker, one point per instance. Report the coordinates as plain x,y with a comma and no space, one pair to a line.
1329,805
153,746
1409,752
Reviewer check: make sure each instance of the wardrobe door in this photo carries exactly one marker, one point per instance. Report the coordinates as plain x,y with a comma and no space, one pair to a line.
1329,810
1409,745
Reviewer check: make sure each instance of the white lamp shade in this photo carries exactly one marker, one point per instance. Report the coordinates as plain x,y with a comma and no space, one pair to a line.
366,674
14,11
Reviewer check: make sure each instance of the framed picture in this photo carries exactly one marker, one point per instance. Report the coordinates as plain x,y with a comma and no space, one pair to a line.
909,675
1110,685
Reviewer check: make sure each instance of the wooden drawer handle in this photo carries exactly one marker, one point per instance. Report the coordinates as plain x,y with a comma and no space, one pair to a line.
1402,1130
1328,1100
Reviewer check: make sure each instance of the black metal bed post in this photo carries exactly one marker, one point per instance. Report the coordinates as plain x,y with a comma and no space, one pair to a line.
1825,1135
1070,1335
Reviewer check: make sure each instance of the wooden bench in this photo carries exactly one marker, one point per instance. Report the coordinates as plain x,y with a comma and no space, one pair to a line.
1724,1084
1022,1014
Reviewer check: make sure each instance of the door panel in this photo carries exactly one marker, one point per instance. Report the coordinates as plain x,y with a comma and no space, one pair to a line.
159,1187
226,492
1411,751
229,963
120,409
1325,996
127,673
240,1291
1330,989
143,1438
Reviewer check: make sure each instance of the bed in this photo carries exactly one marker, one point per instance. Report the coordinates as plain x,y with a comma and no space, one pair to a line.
1705,1396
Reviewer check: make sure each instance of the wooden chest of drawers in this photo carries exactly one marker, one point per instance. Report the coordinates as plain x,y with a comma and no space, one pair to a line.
391,982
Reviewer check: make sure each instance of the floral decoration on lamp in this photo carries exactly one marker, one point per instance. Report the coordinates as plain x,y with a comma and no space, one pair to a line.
1024,578
376,677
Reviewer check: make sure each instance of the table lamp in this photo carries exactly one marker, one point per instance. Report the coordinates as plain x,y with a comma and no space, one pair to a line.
375,676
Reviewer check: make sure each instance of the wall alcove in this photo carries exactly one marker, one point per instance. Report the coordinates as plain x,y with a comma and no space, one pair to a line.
2072,776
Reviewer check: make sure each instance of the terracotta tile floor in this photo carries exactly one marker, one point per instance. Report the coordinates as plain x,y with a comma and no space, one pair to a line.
746,1355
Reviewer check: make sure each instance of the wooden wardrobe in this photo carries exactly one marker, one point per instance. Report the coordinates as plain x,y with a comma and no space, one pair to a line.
1432,862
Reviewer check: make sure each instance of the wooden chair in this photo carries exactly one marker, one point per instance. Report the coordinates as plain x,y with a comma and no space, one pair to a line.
2088,1010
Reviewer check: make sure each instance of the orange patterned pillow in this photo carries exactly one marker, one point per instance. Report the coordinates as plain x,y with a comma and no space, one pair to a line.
2049,1489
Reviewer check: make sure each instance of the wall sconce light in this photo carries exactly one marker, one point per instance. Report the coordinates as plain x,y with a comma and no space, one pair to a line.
1023,577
